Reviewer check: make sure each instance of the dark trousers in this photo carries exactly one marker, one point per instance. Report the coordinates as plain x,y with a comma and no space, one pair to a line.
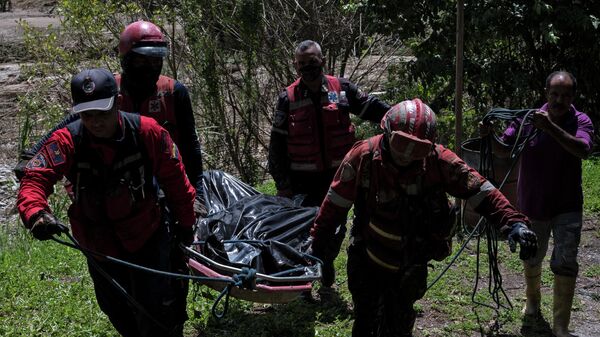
163,298
313,184
383,301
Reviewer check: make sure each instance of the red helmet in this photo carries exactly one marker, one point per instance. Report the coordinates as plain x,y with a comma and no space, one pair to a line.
413,117
144,38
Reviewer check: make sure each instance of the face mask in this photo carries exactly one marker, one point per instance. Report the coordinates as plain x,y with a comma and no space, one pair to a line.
310,72
144,75
141,79
406,148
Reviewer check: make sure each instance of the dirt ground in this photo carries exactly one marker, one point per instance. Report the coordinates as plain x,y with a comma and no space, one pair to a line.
38,13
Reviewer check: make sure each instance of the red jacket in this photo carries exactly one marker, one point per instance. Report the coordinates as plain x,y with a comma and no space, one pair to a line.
399,211
121,220
317,142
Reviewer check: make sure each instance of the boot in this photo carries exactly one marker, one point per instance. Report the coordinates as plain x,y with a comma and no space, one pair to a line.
533,278
564,289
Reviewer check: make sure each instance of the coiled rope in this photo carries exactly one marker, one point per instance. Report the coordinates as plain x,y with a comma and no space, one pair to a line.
522,118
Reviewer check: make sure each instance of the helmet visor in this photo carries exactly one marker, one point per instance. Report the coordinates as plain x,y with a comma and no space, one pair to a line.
406,148
153,51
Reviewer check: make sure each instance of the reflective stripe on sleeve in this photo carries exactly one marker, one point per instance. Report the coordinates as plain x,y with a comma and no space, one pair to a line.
338,200
485,189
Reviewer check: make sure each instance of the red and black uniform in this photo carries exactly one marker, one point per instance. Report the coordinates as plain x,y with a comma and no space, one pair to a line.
116,211
402,220
312,132
170,105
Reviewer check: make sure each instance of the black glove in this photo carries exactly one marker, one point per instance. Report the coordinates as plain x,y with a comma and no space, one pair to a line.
45,225
525,238
324,252
185,236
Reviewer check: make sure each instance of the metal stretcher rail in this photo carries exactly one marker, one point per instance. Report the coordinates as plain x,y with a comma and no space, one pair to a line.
270,278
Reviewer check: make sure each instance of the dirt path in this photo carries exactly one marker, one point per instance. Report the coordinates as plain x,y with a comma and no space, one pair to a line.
12,55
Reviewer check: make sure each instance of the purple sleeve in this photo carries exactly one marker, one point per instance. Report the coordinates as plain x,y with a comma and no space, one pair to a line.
585,129
509,134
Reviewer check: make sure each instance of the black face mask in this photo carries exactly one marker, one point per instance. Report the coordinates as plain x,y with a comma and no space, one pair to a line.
143,77
141,80
310,72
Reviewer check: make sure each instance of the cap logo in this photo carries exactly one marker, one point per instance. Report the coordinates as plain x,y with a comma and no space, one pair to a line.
88,86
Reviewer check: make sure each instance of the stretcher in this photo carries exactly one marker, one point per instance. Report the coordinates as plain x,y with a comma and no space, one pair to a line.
246,232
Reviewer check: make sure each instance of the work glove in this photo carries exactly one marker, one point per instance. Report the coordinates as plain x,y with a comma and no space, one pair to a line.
200,209
45,225
527,239
325,254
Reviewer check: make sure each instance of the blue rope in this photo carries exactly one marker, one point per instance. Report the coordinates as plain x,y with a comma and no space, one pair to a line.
246,279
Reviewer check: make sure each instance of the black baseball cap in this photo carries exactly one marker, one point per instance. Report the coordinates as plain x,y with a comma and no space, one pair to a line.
93,89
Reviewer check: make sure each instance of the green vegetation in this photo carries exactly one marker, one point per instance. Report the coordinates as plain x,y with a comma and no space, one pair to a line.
591,188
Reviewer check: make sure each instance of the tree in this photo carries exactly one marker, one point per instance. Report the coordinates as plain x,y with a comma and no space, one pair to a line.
510,48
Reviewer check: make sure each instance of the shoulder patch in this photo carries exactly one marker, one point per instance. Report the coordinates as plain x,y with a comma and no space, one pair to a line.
154,106
348,172
473,182
360,94
56,156
168,146
38,161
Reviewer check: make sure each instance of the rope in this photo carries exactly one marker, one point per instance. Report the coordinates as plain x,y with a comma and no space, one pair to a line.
245,279
486,168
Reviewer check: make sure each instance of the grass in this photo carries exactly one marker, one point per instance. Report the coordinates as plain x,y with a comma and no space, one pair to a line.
45,290
591,188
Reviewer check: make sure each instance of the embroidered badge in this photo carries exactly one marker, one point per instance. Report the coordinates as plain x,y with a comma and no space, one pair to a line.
165,142
348,173
473,182
360,94
154,106
88,86
168,146
38,161
54,153
332,97
174,151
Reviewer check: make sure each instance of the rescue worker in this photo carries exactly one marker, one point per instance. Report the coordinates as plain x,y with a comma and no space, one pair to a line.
550,193
143,90
397,182
116,161
312,131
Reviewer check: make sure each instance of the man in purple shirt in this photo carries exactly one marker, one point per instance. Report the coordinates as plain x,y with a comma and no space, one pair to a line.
550,194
